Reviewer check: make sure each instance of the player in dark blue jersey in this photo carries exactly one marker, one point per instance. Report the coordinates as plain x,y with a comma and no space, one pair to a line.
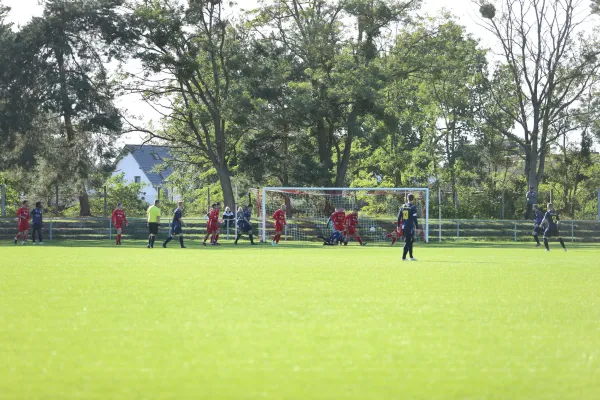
243,224
538,217
407,219
551,219
176,225
36,220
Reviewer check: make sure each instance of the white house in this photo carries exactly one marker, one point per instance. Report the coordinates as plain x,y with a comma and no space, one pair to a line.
137,162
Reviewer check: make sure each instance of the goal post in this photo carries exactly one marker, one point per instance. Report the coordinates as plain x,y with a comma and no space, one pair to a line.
308,209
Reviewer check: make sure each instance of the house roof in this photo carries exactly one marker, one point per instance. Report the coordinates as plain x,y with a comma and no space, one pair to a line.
148,157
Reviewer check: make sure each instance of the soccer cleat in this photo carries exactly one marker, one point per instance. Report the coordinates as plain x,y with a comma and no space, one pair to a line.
404,259
273,243
413,259
23,243
164,246
41,243
15,240
183,247
547,250
148,245
538,245
204,243
33,243
565,249
363,244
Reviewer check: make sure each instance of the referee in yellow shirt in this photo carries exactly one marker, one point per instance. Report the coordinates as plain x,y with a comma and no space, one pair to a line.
153,221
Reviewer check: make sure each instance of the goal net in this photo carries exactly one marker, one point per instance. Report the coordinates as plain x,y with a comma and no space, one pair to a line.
308,210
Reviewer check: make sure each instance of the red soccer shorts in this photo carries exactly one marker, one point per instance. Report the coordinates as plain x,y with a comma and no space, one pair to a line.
351,230
279,226
212,228
23,227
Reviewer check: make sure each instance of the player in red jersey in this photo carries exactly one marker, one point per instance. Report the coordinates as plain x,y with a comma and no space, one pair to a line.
337,219
23,216
212,226
396,234
118,218
351,222
279,217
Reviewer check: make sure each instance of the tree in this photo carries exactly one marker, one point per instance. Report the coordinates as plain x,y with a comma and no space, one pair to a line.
549,67
66,49
342,74
193,60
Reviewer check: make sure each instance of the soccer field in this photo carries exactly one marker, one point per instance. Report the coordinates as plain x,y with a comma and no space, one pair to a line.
299,322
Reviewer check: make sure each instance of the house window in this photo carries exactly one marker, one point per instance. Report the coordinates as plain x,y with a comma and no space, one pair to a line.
137,179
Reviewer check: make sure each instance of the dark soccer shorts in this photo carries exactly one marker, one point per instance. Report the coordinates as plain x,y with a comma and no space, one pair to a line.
537,230
153,228
551,232
176,229
408,233
245,227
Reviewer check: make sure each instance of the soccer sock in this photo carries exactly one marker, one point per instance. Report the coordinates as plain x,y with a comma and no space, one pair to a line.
181,240
358,239
216,237
546,244
238,237
393,240
18,236
537,240
119,238
150,239
405,251
25,237
153,240
410,248
252,238
168,240
562,243
206,237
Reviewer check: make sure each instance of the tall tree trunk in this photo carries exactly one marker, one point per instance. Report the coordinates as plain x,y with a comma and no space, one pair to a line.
343,164
226,187
84,201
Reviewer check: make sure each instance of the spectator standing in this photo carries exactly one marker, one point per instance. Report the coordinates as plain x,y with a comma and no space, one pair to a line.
228,218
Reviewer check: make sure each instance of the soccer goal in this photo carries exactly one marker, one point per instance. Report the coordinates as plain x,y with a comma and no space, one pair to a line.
308,210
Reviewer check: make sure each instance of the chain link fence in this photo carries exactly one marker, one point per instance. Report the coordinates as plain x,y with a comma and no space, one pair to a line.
195,228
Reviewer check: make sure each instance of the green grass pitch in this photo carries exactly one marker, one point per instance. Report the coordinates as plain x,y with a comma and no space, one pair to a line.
299,322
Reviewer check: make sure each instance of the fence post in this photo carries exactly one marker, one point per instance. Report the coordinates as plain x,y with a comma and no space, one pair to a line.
440,213
56,205
51,229
105,204
572,230
3,196
227,231
515,231
458,230
598,204
110,229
